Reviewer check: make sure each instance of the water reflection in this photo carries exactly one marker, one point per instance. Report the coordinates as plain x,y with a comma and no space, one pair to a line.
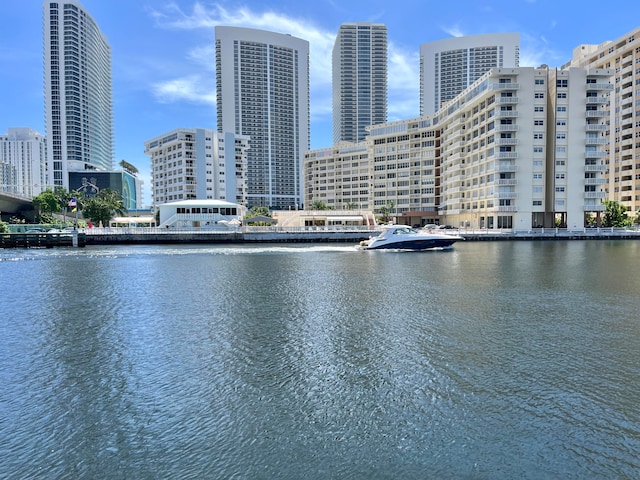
506,358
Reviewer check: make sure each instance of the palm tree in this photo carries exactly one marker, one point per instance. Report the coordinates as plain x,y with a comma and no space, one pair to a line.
103,207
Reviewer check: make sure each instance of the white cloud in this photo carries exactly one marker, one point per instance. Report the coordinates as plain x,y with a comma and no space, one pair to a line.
403,67
454,31
193,88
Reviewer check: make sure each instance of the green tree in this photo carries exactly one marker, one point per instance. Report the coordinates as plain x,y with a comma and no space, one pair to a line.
258,212
350,205
4,228
318,205
385,212
103,207
615,215
46,204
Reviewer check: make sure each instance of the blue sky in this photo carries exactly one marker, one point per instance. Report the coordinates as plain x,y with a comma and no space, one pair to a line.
163,54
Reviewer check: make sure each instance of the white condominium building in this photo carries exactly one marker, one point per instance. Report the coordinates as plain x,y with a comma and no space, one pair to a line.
359,80
449,66
520,148
198,164
22,162
339,177
623,135
262,90
77,92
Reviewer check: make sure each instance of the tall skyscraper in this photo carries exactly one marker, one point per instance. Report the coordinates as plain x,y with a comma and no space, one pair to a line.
359,80
262,88
449,66
77,92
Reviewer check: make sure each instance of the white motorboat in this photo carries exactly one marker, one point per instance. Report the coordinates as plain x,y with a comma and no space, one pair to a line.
403,237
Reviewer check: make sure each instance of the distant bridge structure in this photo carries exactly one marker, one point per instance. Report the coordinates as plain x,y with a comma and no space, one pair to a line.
13,204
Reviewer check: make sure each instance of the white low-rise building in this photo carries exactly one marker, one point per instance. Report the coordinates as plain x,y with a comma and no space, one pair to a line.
200,214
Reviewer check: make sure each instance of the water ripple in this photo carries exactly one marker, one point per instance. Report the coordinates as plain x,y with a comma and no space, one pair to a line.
319,362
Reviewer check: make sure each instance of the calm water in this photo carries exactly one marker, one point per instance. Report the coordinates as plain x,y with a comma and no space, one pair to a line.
492,360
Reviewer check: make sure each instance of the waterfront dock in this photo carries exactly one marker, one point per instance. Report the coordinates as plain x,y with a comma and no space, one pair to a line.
42,240
251,235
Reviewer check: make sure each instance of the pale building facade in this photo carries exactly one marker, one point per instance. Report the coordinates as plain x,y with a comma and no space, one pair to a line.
262,91
77,92
198,163
622,55
449,66
359,82
23,162
520,148
339,176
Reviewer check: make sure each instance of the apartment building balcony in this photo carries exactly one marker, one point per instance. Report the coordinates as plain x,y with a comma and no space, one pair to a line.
606,87
507,128
504,195
455,211
595,181
453,157
596,127
504,181
595,168
594,194
505,209
452,179
504,86
506,168
597,100
453,190
506,141
596,113
507,100
595,154
594,208
506,113
596,140
507,155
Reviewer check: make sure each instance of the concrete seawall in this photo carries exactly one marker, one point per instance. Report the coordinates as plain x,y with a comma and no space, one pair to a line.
226,237
131,236
333,236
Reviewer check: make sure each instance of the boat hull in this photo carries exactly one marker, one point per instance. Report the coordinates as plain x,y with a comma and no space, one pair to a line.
416,244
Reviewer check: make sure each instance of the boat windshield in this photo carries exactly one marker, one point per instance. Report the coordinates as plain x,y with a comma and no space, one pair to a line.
403,231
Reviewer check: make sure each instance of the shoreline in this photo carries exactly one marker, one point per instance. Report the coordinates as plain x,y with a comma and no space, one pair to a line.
250,235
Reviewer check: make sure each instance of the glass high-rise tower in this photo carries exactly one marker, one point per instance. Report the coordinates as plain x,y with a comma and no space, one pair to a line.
78,92
359,80
262,90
